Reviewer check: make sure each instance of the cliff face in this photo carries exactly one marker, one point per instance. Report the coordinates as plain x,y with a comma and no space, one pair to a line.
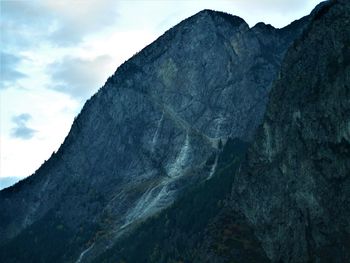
147,135
295,188
199,227
290,199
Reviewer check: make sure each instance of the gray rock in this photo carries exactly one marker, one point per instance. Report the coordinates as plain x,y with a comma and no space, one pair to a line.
148,132
295,188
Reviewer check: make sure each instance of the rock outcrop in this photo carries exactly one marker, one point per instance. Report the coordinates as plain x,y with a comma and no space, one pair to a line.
145,136
295,188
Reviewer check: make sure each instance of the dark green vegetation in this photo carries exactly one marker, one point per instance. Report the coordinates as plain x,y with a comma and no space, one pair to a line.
47,240
197,225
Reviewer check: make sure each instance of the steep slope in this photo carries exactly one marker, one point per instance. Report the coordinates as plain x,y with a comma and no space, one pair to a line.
295,188
145,137
294,201
199,227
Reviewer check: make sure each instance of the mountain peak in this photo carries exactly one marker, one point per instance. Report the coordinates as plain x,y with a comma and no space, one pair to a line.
219,16
150,133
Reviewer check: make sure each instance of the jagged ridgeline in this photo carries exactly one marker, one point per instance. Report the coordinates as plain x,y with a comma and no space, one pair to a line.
290,199
295,189
149,160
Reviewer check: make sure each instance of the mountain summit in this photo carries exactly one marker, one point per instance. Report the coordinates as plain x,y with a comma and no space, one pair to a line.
154,129
287,200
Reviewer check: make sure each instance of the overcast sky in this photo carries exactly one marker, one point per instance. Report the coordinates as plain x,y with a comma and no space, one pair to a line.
56,54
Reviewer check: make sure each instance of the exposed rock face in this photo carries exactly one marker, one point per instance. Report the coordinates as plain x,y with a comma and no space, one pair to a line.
148,133
199,227
295,189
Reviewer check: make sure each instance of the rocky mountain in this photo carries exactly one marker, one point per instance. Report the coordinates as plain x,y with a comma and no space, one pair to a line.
153,133
287,200
295,187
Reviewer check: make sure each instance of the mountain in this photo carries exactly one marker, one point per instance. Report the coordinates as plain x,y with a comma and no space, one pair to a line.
287,199
153,130
295,187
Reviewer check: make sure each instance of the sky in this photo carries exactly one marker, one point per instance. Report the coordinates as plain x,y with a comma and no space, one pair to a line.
57,54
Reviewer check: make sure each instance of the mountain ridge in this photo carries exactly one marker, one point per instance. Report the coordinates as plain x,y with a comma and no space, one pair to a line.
147,135
294,188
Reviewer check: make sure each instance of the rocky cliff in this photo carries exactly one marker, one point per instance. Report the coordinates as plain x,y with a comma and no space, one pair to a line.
199,227
153,130
295,188
290,194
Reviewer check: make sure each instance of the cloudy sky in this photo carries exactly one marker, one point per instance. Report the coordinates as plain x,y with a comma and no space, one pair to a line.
56,54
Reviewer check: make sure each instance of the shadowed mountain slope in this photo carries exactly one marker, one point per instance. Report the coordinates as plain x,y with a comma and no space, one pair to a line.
295,188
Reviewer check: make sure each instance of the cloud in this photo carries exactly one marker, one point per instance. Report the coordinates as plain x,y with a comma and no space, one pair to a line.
284,6
24,24
78,77
72,26
9,73
21,130
61,23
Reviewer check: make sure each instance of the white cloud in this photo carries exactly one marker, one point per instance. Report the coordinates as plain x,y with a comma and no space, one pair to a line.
52,115
79,77
76,19
59,22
